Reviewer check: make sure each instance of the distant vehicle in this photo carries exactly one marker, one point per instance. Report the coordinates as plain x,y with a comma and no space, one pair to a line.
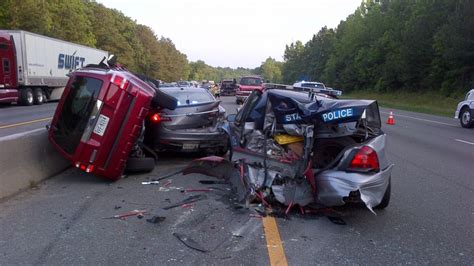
228,87
98,123
246,85
465,110
316,87
167,85
192,126
183,83
34,67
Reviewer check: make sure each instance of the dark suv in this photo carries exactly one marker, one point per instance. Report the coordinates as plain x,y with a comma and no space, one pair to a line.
99,122
228,87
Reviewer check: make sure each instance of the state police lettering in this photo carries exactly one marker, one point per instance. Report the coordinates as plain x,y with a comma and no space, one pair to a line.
70,61
338,114
292,117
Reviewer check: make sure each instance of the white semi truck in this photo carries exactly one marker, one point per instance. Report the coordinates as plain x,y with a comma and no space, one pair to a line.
34,68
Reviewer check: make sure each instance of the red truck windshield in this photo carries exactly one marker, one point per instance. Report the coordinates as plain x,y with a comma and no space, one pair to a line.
76,112
251,81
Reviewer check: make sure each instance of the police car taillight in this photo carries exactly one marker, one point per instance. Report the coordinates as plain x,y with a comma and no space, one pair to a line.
365,160
120,81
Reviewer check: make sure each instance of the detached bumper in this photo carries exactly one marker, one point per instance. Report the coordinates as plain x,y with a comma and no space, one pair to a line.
334,186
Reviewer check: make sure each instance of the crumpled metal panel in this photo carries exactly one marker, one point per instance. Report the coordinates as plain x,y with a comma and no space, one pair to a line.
333,186
294,192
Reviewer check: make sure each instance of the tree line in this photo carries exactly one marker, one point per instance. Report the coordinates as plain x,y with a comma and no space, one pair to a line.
391,45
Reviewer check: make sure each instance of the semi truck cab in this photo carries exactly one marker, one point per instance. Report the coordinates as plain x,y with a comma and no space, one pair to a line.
8,75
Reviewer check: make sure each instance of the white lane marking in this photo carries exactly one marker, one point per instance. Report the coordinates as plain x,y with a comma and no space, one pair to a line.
421,119
19,135
463,141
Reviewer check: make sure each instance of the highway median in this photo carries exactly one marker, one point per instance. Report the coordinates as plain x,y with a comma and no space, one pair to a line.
26,159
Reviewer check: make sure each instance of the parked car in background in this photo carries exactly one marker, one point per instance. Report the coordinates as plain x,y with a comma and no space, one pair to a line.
246,85
465,110
193,126
184,83
98,123
228,87
166,85
316,87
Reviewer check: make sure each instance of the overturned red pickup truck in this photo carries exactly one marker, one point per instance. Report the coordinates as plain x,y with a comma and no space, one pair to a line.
99,122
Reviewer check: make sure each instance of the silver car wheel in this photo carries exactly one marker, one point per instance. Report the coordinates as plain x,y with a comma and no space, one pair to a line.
466,117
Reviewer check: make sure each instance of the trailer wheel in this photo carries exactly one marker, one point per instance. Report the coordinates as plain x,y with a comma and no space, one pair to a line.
140,165
38,96
45,97
26,97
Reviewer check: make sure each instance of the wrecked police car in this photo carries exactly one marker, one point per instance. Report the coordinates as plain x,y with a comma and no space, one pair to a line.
301,148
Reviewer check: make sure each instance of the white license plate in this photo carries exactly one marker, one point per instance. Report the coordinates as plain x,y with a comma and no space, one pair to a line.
101,125
190,146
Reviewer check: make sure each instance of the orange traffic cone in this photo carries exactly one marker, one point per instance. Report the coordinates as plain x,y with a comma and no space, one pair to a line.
390,120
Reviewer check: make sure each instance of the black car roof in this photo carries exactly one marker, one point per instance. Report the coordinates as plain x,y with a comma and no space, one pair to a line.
299,96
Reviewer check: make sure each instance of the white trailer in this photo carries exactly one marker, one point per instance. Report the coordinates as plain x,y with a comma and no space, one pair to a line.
34,68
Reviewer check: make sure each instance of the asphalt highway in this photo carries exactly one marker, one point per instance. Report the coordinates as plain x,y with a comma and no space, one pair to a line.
17,119
429,221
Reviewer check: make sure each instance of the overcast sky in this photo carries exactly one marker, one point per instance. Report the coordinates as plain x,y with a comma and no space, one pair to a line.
235,33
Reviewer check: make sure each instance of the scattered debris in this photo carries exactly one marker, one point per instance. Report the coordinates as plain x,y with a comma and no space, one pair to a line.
168,183
189,242
188,200
154,182
188,190
253,215
213,182
123,216
117,207
336,220
156,219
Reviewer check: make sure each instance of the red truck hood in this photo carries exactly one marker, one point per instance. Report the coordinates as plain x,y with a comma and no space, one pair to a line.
250,88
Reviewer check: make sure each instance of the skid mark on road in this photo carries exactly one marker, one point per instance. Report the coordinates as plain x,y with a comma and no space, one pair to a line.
464,141
276,252
26,123
421,119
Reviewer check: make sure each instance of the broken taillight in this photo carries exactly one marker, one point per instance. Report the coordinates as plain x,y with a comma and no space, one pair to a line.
120,81
159,117
156,118
365,160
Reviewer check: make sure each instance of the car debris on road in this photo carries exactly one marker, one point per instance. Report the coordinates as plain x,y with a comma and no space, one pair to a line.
138,213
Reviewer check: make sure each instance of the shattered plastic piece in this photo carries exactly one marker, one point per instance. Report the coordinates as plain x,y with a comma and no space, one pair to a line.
189,242
188,190
156,219
123,216
150,182
188,200
168,183
213,182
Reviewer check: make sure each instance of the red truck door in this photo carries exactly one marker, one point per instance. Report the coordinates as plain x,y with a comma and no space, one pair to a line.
8,79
